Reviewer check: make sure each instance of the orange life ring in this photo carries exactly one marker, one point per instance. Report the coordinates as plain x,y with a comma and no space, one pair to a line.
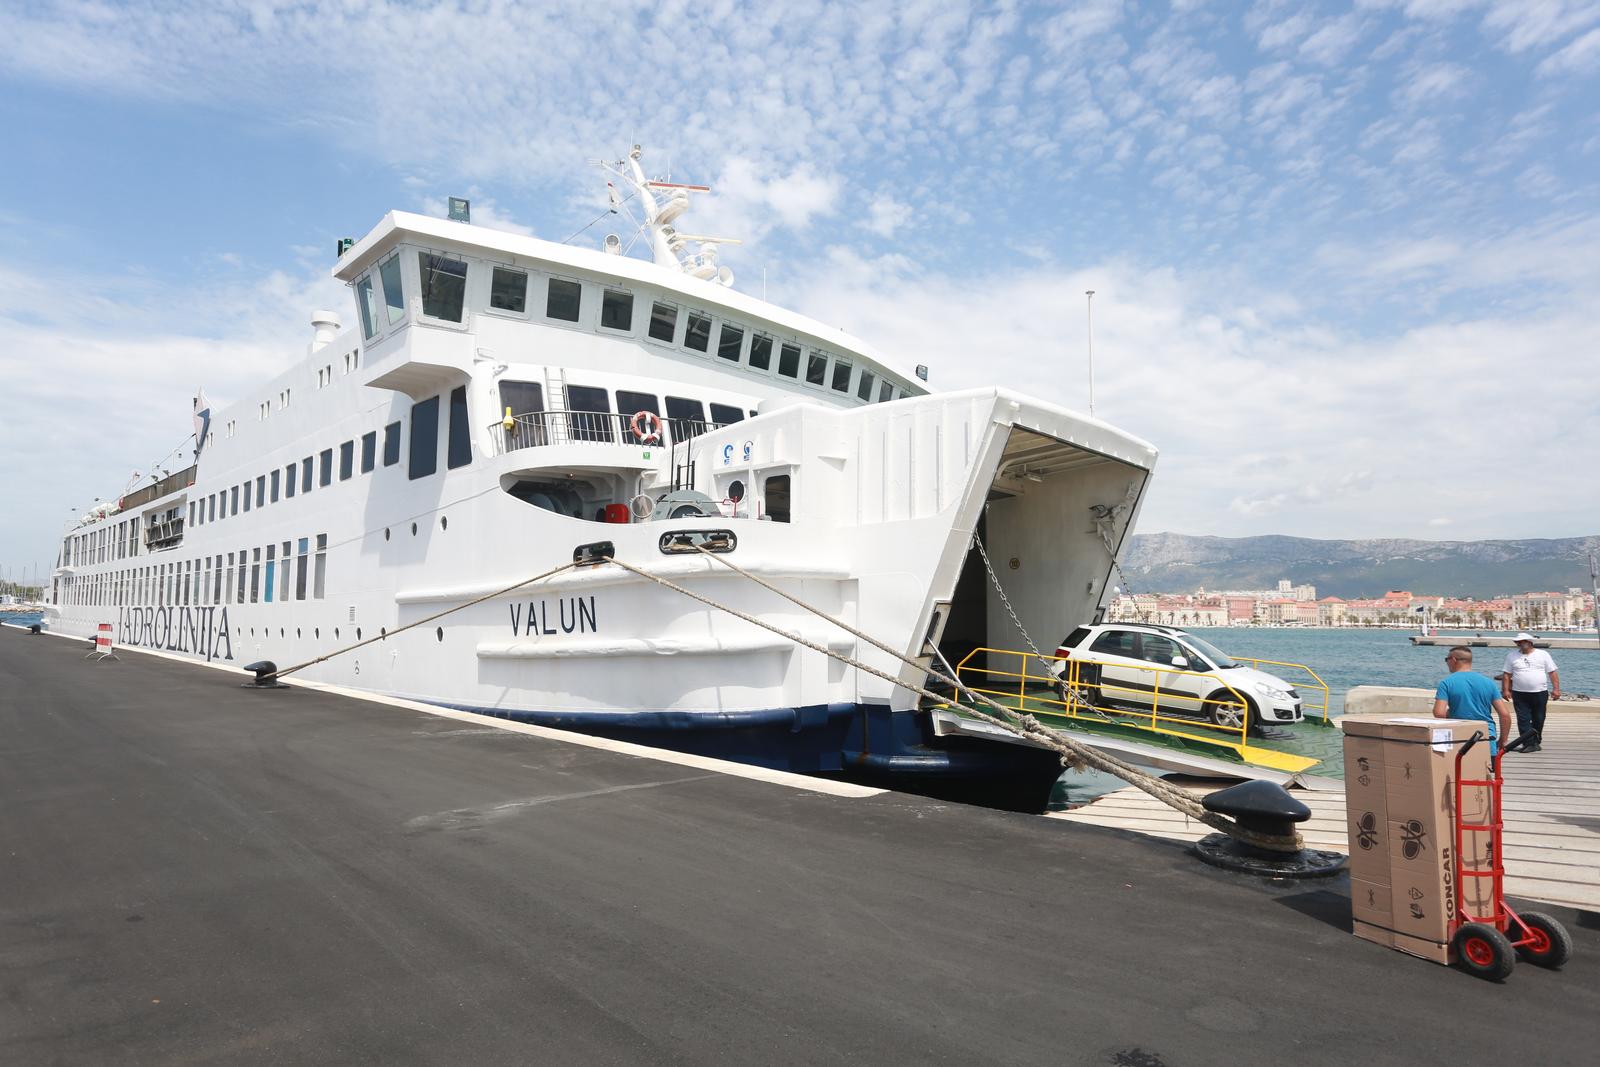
640,420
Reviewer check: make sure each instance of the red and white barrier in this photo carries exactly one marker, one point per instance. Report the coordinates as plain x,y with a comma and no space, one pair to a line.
104,643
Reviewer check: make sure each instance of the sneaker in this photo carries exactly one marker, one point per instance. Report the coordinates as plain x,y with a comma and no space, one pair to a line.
1533,748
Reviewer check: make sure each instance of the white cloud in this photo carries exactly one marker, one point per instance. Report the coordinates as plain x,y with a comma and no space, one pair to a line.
885,215
1578,57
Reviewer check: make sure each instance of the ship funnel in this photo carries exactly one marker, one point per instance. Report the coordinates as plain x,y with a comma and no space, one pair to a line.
327,325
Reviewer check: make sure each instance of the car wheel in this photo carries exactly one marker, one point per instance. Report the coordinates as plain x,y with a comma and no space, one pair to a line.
1223,709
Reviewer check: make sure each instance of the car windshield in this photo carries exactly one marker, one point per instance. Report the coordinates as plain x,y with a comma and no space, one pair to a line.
1211,652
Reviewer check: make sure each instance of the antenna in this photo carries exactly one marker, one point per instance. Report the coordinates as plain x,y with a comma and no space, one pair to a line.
1089,321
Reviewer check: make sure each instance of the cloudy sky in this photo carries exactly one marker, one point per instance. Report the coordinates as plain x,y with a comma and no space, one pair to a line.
1347,255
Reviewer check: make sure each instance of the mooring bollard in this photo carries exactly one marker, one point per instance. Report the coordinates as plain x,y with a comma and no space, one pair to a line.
266,676
1263,808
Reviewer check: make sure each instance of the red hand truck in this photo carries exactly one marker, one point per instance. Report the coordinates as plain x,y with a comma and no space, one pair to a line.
1488,945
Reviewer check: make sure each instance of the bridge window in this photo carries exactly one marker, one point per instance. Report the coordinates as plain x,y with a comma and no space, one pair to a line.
424,438
367,305
630,403
347,460
698,334
564,300
817,368
685,417
394,298
444,286
885,390
508,290
616,310
731,341
726,414
522,401
589,413
325,466
841,376
663,322
789,361
864,386
776,492
458,448
760,351
391,444
369,451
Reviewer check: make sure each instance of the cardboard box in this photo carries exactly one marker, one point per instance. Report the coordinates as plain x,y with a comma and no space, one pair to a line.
1376,934
1404,767
1370,902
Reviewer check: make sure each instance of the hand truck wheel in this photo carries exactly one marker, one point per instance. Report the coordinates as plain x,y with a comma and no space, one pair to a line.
1483,951
1551,945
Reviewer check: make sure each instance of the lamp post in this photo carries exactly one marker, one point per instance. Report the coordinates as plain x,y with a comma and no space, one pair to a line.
1089,323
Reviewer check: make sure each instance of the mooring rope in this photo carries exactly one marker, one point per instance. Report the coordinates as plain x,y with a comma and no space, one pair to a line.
420,622
1013,721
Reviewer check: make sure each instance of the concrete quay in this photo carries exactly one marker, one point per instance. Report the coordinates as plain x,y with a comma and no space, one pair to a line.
194,873
1503,641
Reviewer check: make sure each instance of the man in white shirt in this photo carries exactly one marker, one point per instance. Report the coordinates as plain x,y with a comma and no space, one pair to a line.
1530,682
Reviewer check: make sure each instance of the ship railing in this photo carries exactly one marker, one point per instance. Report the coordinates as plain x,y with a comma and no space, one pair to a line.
1169,701
1316,685
536,429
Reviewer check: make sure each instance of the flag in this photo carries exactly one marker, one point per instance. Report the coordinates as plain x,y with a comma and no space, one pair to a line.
202,422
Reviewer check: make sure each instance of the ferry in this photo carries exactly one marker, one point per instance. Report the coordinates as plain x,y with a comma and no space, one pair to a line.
501,405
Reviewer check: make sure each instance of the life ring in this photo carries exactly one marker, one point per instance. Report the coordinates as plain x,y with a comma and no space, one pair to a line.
640,420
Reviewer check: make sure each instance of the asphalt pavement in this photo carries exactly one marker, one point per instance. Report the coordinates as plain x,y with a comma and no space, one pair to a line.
195,873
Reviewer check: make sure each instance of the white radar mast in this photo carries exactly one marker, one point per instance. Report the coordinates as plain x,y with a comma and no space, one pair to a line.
664,203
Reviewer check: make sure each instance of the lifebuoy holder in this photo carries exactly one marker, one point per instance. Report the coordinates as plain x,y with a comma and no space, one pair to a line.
640,420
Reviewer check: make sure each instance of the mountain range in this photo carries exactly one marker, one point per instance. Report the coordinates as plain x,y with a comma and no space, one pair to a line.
1183,563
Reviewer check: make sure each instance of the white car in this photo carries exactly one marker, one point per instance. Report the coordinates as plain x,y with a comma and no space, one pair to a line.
1195,676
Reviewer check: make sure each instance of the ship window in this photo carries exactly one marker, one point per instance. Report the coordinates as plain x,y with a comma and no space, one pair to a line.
816,368
616,310
300,571
288,481
698,333
238,596
789,361
191,523
391,444
394,297
233,500
444,285
367,305
726,414
522,398
885,390
283,572
319,584
776,492
731,341
564,301
325,462
841,376
347,460
458,449
211,508
307,469
261,490
247,496
508,290
589,408
369,451
255,576
424,438
864,386
685,417
629,403
663,322
272,574
760,351
276,479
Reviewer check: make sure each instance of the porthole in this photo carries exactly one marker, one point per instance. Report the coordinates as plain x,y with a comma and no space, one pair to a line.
252,631
386,533
336,633
438,631
297,633
413,529
383,631
317,633
444,523
358,633
281,632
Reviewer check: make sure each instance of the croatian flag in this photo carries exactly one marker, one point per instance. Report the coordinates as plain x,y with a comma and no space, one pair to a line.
202,422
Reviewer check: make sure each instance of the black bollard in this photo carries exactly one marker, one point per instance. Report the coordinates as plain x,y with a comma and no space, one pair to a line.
35,629
266,676
1263,808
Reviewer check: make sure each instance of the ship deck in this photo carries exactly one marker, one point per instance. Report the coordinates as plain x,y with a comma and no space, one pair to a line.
196,873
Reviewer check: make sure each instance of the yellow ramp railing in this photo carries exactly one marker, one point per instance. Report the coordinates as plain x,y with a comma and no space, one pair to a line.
1169,701
1316,683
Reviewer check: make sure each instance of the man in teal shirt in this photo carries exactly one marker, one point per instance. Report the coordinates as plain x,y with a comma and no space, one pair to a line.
1465,694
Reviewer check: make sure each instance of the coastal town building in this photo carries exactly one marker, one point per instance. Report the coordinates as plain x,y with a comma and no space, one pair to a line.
1293,604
